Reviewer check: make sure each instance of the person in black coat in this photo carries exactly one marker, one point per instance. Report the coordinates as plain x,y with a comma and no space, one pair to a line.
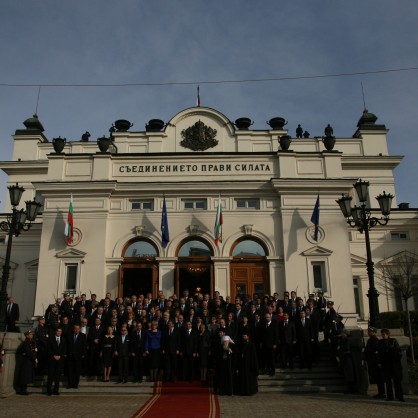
247,366
347,365
188,351
171,350
390,358
137,351
27,352
12,315
76,352
269,341
287,341
304,335
204,344
66,307
122,351
227,367
57,350
372,357
41,338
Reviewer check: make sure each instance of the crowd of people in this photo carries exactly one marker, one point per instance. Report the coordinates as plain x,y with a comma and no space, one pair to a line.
182,338
179,338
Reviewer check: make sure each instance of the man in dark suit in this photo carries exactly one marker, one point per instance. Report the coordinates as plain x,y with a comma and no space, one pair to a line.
171,350
56,349
99,313
76,352
137,351
12,315
67,307
231,327
304,336
269,341
287,341
80,314
188,351
122,351
93,340
83,302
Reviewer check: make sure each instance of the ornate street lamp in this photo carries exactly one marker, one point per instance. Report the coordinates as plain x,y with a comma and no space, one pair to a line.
16,223
360,217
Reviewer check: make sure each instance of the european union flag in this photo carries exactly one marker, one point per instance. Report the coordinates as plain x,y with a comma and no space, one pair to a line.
165,235
315,218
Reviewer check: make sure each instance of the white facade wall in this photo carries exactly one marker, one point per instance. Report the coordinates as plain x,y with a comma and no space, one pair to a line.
143,167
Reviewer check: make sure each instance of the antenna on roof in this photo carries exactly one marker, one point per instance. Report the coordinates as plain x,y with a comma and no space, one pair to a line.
362,91
37,100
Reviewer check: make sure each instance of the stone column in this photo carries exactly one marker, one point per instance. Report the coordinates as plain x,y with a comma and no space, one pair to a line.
222,274
166,275
11,342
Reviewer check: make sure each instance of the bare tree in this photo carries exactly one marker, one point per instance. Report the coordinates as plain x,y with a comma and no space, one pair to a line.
399,275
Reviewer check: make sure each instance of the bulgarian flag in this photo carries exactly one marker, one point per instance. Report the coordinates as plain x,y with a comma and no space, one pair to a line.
218,223
69,225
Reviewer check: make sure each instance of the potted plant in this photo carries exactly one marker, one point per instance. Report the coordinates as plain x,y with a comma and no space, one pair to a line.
285,141
154,125
277,123
329,138
123,125
243,123
103,143
58,144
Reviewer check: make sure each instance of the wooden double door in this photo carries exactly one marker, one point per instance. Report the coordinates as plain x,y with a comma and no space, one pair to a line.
249,278
138,278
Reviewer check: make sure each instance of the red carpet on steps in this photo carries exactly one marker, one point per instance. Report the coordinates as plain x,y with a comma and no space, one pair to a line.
182,400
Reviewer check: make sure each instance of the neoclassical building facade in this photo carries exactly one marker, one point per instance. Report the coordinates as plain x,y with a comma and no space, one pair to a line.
267,193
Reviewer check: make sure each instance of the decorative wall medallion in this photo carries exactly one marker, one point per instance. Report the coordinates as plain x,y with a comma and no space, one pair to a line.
310,234
199,137
77,236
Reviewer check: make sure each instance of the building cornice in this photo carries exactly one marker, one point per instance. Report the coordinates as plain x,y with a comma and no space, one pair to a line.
378,161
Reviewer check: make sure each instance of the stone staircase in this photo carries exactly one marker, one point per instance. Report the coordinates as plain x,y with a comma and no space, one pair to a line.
323,377
94,387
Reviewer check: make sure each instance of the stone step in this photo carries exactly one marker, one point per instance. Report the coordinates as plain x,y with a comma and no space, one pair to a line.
298,382
97,388
301,376
302,389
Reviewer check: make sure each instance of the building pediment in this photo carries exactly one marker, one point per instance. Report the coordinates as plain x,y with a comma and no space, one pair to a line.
32,264
357,261
210,116
12,265
317,251
402,257
70,253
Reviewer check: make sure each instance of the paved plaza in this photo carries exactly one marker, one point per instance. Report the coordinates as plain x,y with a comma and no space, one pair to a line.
259,406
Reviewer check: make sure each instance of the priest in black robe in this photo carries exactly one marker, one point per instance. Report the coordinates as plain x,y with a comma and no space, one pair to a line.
228,367
247,367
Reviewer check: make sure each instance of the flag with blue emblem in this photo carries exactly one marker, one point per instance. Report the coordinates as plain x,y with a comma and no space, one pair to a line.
165,235
315,218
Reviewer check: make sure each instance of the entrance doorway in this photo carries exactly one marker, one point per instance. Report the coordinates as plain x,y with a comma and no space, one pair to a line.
138,272
249,269
196,277
137,281
194,269
249,279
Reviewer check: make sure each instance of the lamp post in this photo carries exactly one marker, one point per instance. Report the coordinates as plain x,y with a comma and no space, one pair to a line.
360,217
19,220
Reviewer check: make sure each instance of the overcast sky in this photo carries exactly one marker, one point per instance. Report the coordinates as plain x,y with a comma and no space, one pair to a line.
161,41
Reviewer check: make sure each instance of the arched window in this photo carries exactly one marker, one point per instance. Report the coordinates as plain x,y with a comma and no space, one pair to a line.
194,248
140,249
248,248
